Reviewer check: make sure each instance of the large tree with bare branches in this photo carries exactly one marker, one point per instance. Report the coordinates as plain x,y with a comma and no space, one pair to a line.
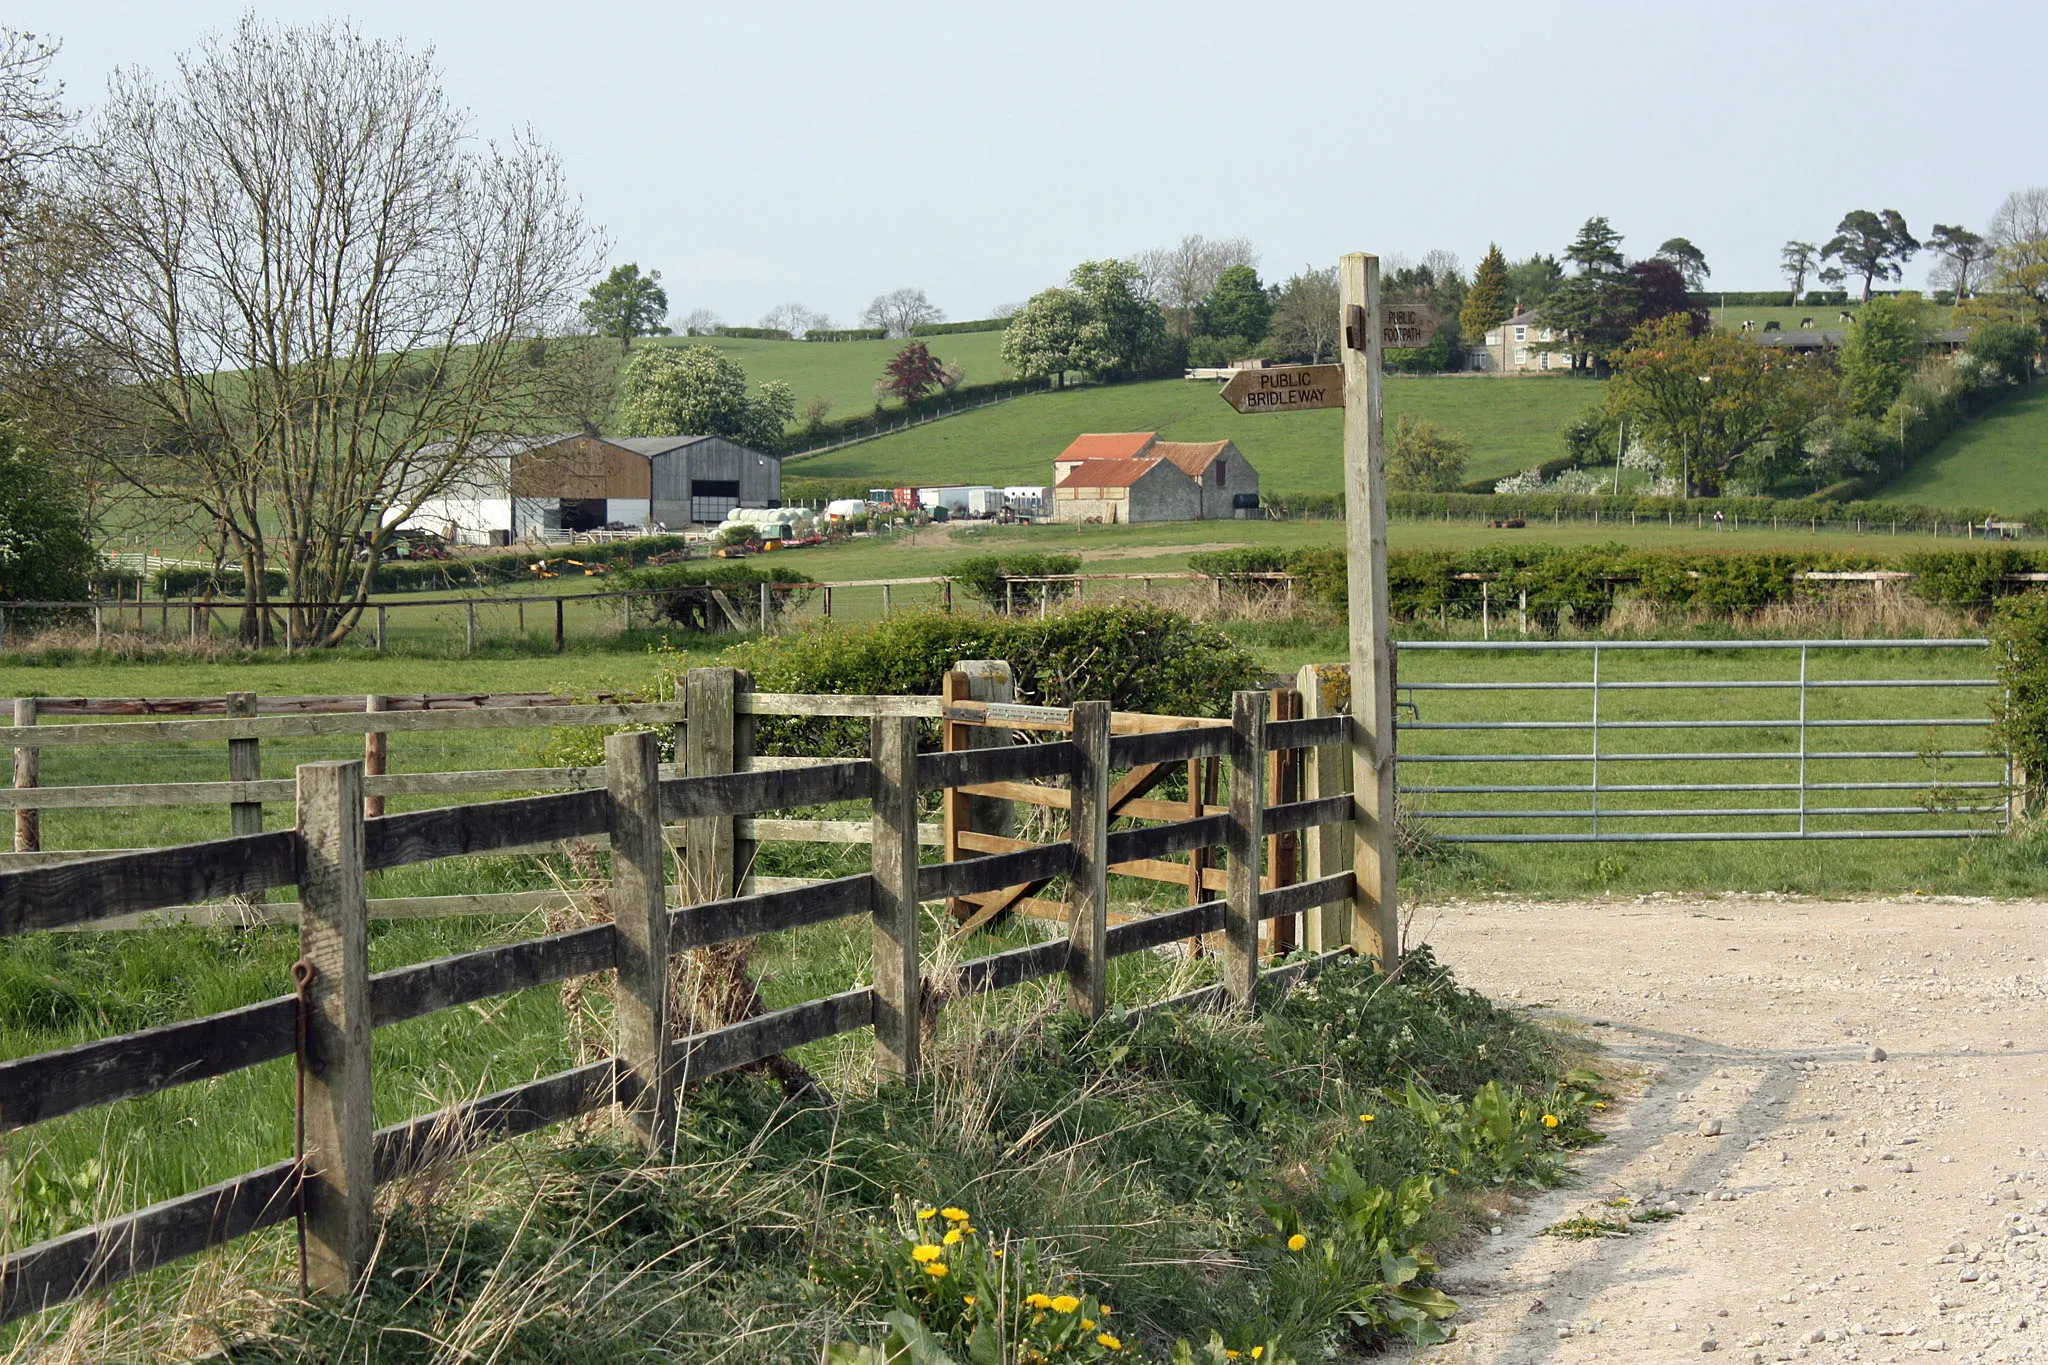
316,292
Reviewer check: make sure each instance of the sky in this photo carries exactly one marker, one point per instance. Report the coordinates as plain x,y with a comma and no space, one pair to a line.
823,153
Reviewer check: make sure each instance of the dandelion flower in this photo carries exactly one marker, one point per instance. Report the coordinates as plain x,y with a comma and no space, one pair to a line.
1296,1242
926,1251
1367,1118
967,1299
1037,1301
926,1215
1229,1354
1109,1342
952,1237
1065,1303
1550,1120
1087,1324
937,1270
1452,1169
953,1215
1258,1351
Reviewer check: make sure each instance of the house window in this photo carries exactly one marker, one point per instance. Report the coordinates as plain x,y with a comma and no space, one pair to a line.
1521,334
1521,355
1543,361
1222,475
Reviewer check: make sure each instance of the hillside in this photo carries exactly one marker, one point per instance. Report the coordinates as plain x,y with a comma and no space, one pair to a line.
1512,424
1999,460
845,371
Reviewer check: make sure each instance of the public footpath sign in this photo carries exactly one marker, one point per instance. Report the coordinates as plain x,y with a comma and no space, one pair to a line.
1286,388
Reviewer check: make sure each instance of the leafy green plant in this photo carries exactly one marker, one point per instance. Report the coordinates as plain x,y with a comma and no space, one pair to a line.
986,578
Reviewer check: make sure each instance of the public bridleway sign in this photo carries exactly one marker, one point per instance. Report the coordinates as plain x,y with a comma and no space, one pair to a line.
1286,388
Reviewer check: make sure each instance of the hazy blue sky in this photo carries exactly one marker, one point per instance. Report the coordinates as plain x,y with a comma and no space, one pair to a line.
823,153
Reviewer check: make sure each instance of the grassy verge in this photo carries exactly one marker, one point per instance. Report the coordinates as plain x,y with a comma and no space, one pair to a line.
1179,1177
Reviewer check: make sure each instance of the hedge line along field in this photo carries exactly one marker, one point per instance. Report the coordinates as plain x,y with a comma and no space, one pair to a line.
1512,424
1995,461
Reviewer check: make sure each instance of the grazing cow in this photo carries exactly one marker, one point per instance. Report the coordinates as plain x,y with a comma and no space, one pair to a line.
1806,324
1772,326
1847,317
1749,326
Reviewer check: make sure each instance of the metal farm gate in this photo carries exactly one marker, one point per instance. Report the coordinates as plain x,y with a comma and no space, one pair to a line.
1655,741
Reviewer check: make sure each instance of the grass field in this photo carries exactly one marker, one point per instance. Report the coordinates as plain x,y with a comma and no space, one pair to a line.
845,371
1512,424
2000,460
1827,317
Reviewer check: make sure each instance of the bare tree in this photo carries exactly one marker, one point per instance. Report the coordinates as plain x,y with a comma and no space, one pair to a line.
2020,220
795,319
1179,277
700,322
899,311
318,294
1305,316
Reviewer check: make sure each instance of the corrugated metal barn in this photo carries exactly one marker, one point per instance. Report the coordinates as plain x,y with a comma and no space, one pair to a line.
583,483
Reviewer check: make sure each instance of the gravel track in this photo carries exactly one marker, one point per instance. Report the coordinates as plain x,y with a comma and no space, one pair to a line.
1844,1207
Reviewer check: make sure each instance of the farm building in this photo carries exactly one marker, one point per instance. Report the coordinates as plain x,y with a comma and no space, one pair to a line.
554,484
1134,476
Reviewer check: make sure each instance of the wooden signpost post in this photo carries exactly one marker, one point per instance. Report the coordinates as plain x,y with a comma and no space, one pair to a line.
1354,385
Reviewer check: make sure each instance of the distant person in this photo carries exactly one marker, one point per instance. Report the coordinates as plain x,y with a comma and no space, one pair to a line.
1718,526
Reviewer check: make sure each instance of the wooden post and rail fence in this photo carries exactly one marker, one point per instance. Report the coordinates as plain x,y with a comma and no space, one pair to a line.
771,603
720,799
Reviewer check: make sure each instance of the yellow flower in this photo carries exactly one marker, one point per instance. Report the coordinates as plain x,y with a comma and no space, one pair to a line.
1065,1303
1037,1301
1229,1354
1109,1342
925,1215
1550,1120
925,1252
1367,1118
1258,1351
1599,1104
967,1299
937,1270
1087,1324
953,1215
1296,1242
1452,1169
952,1236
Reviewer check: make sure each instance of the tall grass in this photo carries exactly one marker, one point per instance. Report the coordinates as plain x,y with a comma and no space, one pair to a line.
1131,1156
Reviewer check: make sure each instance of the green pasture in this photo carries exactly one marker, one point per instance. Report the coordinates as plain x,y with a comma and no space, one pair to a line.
1999,460
845,371
1511,423
1827,317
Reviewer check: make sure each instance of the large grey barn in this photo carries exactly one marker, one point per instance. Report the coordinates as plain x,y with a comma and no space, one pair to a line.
582,483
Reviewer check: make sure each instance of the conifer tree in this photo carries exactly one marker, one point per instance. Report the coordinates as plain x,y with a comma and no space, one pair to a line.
1488,302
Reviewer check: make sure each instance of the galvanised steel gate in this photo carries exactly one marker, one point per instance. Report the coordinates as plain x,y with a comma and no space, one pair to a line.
1665,753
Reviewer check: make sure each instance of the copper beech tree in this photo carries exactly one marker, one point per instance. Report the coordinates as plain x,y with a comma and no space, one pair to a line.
317,295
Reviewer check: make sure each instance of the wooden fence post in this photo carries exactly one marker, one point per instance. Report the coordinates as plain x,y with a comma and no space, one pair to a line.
1088,881
245,764
334,937
558,625
712,869
374,752
767,610
898,979
469,627
1244,841
28,821
640,913
1329,846
983,680
380,630
1283,851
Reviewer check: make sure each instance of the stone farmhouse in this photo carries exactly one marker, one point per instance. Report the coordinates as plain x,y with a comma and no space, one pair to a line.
552,484
1517,346
1118,477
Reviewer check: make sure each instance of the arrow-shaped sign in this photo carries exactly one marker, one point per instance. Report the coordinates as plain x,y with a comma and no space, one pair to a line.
1286,388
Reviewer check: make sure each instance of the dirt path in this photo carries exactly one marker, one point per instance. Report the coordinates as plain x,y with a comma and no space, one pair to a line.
1849,1208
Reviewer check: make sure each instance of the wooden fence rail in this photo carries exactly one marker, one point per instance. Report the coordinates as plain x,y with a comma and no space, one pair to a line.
336,846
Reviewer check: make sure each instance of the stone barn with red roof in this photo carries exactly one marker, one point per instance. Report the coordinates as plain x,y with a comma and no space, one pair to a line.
1117,477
